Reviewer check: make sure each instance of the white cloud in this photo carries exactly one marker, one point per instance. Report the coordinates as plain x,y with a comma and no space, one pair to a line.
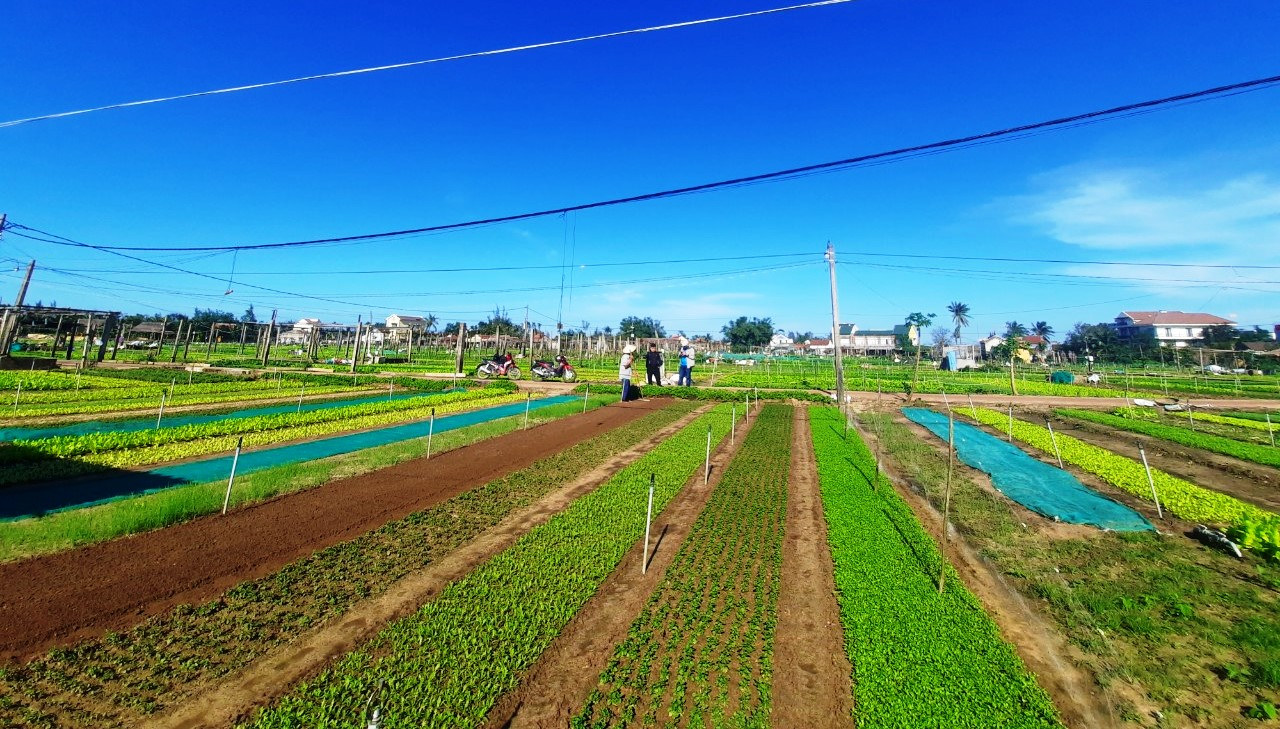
1176,214
1229,220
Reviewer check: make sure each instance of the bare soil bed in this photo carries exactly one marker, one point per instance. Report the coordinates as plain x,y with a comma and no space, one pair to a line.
59,599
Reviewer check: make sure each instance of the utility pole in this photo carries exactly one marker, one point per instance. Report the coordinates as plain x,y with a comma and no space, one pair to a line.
835,325
11,317
266,349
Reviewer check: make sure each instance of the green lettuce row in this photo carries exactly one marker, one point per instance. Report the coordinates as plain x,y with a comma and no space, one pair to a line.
1183,499
1238,422
69,446
720,594
1264,455
920,658
447,664
45,381
149,455
149,392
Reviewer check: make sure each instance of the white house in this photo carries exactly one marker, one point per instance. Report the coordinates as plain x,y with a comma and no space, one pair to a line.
404,321
1169,328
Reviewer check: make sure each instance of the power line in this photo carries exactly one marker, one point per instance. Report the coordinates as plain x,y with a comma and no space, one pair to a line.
410,64
989,259
792,173
1042,275
483,269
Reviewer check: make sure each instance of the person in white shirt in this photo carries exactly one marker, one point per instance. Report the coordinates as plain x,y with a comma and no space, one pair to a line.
686,363
624,370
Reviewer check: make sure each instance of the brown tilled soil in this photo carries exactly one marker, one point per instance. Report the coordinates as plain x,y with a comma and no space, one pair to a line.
59,599
558,685
811,671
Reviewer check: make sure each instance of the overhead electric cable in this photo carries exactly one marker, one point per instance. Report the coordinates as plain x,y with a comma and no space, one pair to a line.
410,64
792,173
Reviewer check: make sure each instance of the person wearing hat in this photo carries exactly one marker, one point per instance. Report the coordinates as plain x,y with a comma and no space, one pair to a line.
624,370
686,363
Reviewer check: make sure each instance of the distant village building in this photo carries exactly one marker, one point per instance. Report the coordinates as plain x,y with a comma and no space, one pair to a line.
868,342
1168,328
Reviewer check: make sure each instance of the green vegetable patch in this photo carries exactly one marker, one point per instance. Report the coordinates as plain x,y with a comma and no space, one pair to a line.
920,657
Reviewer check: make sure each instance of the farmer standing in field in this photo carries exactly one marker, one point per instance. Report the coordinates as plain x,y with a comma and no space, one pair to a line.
624,370
653,365
686,363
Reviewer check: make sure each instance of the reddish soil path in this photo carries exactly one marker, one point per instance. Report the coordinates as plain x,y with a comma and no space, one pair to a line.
811,671
62,598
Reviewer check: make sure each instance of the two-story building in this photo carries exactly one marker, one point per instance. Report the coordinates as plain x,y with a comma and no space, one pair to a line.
1168,328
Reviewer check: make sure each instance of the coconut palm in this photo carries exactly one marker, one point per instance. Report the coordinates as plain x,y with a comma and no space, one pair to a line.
959,317
1044,331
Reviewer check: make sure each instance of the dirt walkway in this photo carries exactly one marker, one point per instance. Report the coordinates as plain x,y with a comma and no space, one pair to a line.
268,678
559,684
62,598
811,671
1042,648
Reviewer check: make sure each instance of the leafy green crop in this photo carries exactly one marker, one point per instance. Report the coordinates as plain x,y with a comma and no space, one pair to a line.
920,658
719,594
448,663
122,676
1183,498
1265,455
71,455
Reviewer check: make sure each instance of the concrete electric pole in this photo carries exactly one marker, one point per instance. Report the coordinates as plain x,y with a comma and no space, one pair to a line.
835,326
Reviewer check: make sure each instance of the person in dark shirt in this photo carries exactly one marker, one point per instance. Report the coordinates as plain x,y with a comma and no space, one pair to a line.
653,365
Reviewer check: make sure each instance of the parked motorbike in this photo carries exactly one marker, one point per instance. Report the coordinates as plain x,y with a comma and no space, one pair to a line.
560,369
502,365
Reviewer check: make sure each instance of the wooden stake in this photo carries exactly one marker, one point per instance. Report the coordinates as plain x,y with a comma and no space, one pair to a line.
648,519
226,500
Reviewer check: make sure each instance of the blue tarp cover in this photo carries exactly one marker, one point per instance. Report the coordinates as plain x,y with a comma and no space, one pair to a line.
29,500
1040,487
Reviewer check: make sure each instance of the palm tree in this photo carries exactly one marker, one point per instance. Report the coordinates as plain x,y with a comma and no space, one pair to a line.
1044,331
1013,334
959,317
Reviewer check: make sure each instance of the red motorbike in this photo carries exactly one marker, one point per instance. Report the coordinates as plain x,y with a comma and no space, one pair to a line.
560,369
500,365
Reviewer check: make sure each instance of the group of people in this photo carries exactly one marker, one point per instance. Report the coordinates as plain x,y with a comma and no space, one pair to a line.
653,364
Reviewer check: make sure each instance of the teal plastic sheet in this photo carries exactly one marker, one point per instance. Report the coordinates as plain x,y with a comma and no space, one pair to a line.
1042,488
20,502
176,420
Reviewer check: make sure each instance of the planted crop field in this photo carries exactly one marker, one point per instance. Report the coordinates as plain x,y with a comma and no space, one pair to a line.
370,531
1257,529
1153,629
701,650
390,589
448,663
920,657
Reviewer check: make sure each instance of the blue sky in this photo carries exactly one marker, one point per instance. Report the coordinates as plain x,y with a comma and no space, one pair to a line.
562,126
